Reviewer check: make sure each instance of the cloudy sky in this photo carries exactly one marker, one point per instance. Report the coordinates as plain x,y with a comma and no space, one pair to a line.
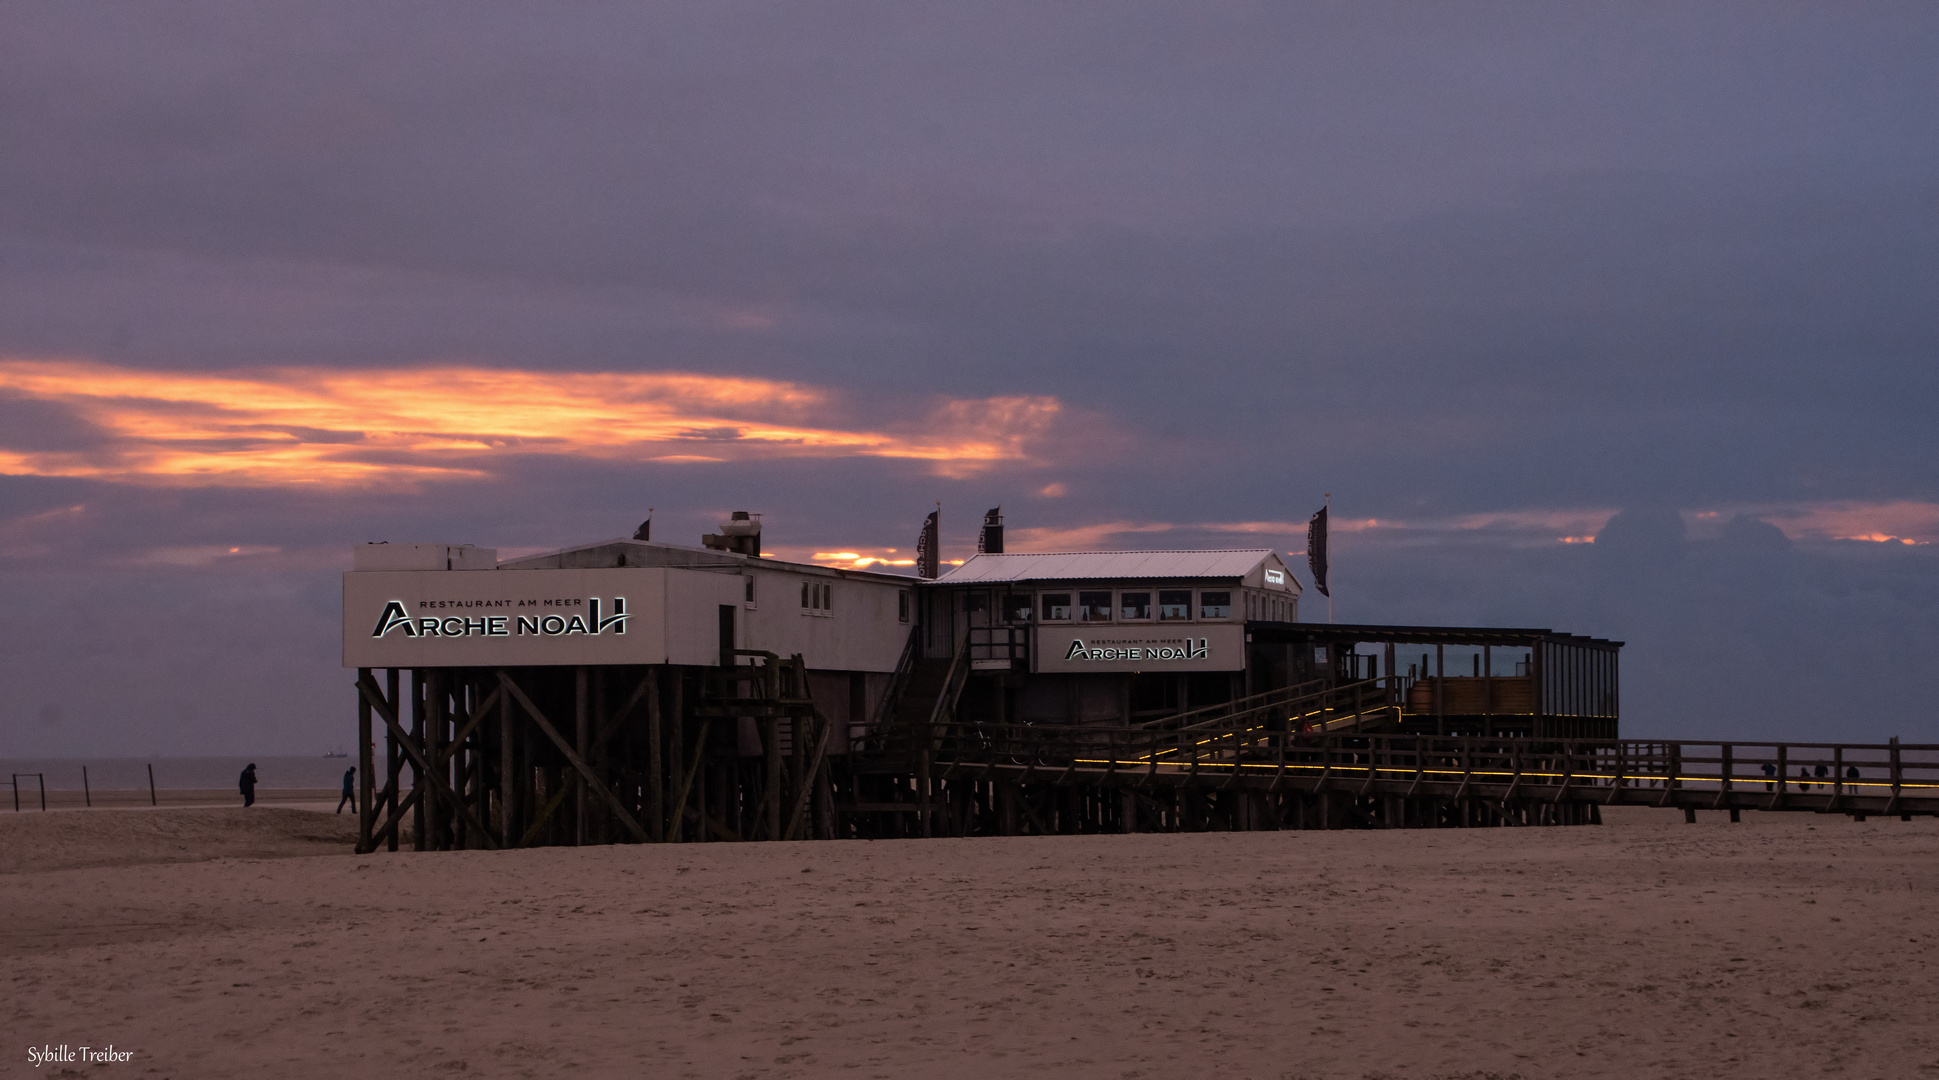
1615,318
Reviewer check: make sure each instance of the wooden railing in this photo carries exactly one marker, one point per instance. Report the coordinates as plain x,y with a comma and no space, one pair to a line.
1861,777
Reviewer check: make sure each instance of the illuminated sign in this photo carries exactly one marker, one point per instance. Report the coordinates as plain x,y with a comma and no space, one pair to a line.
396,616
1275,577
1208,647
1183,650
482,618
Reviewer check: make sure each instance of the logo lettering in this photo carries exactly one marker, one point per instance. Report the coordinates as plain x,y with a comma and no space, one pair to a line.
393,617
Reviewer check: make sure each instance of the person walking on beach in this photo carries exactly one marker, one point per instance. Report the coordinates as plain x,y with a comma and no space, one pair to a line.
1821,776
248,785
1804,778
1770,772
349,787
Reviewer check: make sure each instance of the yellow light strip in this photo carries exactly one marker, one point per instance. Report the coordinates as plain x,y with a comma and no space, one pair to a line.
1351,769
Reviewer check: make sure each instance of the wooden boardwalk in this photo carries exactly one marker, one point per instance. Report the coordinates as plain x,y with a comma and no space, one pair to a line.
1247,778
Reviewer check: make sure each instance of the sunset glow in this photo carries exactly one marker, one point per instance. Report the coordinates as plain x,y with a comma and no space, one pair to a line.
307,426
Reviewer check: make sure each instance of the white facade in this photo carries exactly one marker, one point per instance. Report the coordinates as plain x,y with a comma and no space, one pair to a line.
624,602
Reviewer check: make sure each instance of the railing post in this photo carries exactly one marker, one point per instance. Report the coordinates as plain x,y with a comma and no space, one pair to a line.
1897,776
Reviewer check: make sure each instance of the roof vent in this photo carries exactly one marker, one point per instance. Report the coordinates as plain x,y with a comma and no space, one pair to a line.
740,534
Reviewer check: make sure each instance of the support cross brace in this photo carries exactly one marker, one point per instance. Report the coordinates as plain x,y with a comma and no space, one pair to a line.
592,778
382,708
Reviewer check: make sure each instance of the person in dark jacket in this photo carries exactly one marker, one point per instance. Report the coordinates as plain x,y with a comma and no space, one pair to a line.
1770,770
248,785
349,788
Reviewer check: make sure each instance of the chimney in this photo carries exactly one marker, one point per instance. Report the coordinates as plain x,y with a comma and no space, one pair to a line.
740,534
990,540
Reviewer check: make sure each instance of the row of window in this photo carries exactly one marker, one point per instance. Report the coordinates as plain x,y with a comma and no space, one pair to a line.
1104,605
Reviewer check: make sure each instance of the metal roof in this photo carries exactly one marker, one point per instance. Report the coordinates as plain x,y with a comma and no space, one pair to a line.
1419,635
1078,565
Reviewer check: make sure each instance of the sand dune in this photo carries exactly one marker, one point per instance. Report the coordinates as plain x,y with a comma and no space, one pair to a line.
1646,948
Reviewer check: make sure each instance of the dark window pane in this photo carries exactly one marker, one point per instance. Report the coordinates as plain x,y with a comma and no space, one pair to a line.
975,601
1134,605
1016,607
1094,606
1056,607
1215,605
1174,603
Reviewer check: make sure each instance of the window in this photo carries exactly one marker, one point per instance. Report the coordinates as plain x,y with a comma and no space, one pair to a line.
1174,604
749,588
804,595
974,602
1094,607
902,605
1016,607
1056,606
1134,605
827,598
1215,605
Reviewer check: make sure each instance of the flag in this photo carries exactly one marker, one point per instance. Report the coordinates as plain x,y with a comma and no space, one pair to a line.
928,545
1316,550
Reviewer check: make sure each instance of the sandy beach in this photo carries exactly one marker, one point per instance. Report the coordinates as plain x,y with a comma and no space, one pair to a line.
223,942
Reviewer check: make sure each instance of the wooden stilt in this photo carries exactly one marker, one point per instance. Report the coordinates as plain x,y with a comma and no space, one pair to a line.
418,781
366,815
656,760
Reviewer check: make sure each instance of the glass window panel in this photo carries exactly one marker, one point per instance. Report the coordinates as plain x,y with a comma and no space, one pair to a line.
1016,607
1215,605
804,594
1056,606
1094,607
1134,605
1174,604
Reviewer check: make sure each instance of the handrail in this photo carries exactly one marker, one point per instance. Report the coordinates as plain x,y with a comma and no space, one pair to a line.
1904,770
898,680
952,684
1260,700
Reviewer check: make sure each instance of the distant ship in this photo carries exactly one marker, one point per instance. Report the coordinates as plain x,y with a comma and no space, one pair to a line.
337,753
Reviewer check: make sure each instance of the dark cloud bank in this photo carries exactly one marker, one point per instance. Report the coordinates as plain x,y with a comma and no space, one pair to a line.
1516,259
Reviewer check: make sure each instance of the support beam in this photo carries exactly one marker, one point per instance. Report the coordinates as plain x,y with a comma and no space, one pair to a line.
437,784
572,757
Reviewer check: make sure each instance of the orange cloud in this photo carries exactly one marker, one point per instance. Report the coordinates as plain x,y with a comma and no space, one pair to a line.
1901,521
283,426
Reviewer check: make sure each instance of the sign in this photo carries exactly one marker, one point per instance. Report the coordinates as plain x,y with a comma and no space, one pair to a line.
437,618
1275,577
1206,647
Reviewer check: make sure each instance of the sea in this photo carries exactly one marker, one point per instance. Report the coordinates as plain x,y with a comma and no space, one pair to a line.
178,773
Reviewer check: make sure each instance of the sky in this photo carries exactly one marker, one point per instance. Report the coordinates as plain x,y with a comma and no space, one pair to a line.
1612,318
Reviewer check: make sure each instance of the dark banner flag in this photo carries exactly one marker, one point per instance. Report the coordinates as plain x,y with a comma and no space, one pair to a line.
1316,550
928,547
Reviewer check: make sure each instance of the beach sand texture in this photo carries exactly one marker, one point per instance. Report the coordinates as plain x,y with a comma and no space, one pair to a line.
1788,945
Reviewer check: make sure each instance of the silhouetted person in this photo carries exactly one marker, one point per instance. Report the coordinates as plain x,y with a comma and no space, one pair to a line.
1851,776
1770,770
248,785
1821,777
349,787
1804,778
